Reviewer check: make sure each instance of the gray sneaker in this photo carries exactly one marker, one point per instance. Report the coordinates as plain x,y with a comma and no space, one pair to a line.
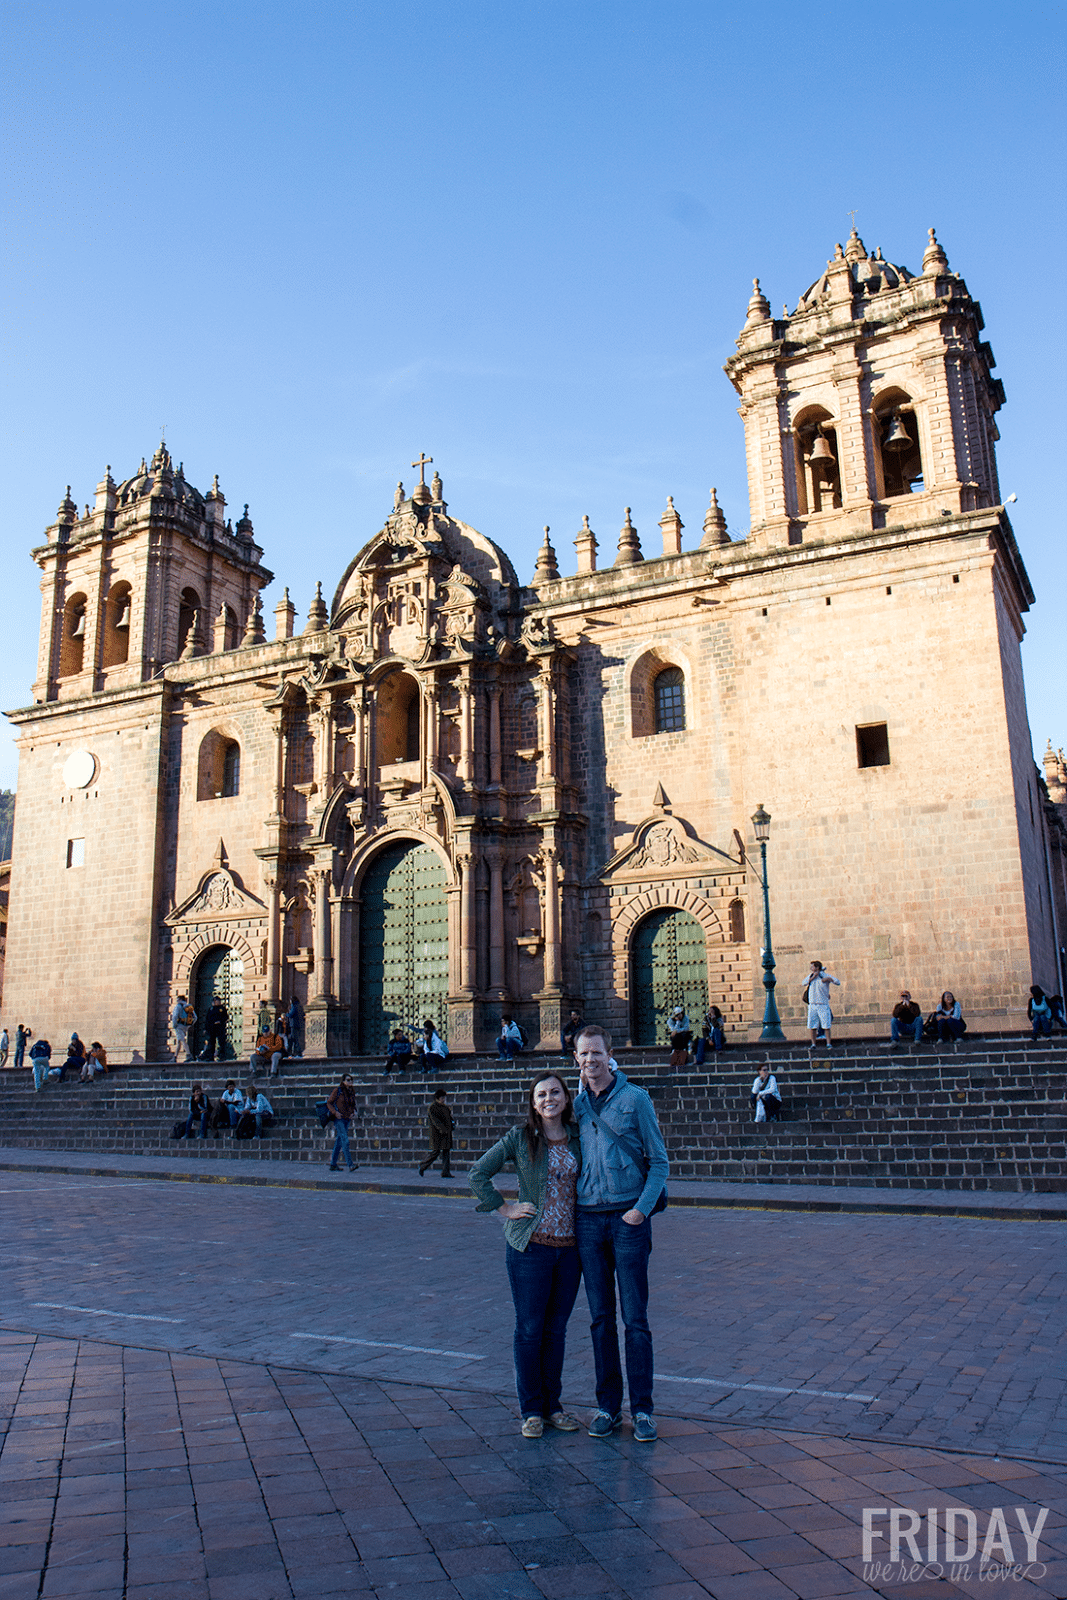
644,1427
604,1424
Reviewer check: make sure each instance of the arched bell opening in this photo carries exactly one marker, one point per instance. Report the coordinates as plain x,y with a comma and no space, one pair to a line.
118,610
72,643
397,720
898,451
188,607
818,470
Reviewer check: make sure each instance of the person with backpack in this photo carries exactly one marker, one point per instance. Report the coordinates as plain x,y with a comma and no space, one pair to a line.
510,1042
181,1020
40,1057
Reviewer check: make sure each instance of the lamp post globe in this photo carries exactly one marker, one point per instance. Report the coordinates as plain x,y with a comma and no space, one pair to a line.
772,1022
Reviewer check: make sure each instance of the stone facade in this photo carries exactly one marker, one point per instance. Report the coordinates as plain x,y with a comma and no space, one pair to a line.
541,793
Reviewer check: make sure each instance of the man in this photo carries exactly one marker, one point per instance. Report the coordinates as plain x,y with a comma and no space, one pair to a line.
817,994
40,1057
907,1018
509,1044
341,1106
270,1047
765,1093
22,1037
5,1045
294,1018
215,1028
571,1029
624,1169
440,1122
181,1020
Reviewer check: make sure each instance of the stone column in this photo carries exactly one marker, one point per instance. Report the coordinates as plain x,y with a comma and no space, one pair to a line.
548,723
323,715
497,976
552,944
494,735
431,710
321,875
465,863
464,767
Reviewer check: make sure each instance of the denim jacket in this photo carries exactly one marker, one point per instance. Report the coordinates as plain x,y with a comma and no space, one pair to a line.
532,1176
610,1180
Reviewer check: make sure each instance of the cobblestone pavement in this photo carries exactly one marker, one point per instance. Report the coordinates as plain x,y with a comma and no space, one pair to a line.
217,1393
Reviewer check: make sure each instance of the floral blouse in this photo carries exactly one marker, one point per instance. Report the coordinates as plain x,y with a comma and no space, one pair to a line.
556,1226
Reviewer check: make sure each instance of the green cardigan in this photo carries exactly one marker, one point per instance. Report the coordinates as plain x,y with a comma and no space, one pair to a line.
532,1176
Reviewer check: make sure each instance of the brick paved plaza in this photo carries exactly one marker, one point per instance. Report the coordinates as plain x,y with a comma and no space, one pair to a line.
214,1393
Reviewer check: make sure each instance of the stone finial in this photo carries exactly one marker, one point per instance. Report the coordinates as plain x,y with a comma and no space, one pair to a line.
398,495
219,630
1055,775
671,526
68,511
437,488
714,525
105,492
661,799
421,494
244,529
759,307
194,641
855,249
934,258
220,858
547,568
318,616
254,631
284,615
585,547
629,544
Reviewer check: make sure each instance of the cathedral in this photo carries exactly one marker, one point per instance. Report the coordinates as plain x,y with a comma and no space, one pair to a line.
454,792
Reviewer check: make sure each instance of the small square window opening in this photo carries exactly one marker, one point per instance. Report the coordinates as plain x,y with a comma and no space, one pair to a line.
75,852
872,745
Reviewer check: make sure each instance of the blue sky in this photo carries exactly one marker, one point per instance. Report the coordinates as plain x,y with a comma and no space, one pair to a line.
316,241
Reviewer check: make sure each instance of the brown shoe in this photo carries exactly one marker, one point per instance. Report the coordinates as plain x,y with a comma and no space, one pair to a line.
564,1422
532,1427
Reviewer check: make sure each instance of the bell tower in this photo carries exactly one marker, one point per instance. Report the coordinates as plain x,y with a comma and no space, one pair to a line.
150,572
872,405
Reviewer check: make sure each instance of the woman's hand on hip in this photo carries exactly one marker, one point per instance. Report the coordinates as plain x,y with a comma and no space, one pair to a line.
516,1210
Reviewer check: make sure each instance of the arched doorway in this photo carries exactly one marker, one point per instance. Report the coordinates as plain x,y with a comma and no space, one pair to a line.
403,944
669,968
220,971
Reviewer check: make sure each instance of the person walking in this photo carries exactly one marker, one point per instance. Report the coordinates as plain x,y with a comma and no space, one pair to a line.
22,1039
543,1265
5,1046
40,1059
341,1106
215,1031
441,1123
624,1170
817,997
181,1020
907,1019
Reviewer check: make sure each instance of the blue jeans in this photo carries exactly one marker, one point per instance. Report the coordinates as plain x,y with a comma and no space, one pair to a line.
950,1028
340,1144
544,1286
1041,1025
191,1118
897,1028
613,1250
507,1050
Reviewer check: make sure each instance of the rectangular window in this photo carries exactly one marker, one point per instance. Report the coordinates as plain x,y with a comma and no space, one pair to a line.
75,852
872,745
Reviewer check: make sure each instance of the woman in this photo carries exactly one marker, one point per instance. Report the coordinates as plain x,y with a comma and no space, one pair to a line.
713,1033
75,1057
949,1019
95,1061
541,1252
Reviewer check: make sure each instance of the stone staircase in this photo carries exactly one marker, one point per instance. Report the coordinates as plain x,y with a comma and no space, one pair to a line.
992,1115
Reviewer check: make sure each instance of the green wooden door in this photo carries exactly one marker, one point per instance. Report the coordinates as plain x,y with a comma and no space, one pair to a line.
670,968
403,945
220,971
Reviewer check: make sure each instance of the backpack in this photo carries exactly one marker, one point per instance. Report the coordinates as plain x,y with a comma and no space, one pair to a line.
524,1036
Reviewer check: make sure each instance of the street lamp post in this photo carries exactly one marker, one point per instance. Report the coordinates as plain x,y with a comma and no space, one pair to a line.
772,1022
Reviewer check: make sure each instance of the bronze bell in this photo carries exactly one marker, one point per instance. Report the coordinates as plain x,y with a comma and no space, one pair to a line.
822,455
898,437
123,618
78,630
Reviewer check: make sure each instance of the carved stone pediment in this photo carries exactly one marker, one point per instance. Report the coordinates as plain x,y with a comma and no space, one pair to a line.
218,897
662,848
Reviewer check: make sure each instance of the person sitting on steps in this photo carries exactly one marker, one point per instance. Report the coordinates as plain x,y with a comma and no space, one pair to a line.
765,1094
907,1018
